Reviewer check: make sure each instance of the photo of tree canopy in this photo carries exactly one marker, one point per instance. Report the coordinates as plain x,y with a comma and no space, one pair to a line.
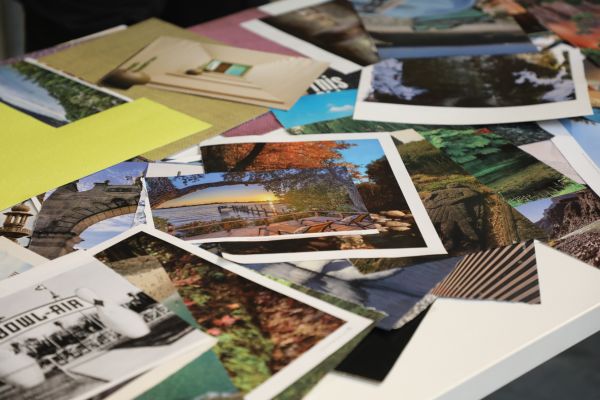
474,81
50,97
497,163
489,152
468,216
373,177
259,331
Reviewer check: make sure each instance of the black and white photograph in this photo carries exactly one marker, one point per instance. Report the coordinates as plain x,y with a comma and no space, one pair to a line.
82,332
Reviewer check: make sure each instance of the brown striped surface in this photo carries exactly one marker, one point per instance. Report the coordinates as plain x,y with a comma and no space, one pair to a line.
505,273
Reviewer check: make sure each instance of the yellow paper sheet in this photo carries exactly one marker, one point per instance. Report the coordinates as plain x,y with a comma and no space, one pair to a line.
36,157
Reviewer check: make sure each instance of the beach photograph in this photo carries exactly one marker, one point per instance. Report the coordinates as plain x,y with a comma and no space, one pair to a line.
50,97
266,204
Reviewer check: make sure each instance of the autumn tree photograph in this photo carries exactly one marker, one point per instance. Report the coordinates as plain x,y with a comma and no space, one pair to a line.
259,204
386,208
259,331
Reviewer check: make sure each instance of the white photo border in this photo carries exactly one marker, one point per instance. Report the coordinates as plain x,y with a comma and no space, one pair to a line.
433,243
435,115
278,382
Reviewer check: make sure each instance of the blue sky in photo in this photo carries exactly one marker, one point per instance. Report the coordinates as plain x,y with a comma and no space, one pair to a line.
318,107
362,153
421,8
190,180
9,265
104,230
587,135
121,174
17,90
534,211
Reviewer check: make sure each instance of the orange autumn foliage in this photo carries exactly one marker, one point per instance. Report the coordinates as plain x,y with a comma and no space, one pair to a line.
275,156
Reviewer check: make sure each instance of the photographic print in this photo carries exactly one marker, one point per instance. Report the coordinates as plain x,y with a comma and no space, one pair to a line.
14,259
586,133
467,215
223,72
331,96
506,273
86,212
50,97
474,90
503,167
16,223
248,205
83,330
318,107
574,21
378,175
411,29
269,335
332,26
394,292
571,222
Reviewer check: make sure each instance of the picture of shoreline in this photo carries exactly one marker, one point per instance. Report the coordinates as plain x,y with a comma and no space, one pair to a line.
244,204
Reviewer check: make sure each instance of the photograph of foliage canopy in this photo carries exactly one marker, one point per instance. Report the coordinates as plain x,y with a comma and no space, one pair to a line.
468,216
259,331
476,81
50,97
373,177
497,163
263,203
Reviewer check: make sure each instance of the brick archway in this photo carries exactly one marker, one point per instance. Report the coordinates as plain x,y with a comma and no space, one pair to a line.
68,212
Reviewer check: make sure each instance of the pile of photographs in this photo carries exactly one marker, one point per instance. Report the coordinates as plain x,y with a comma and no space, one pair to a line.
393,153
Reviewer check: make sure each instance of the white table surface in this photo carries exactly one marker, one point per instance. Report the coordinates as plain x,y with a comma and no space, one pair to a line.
468,349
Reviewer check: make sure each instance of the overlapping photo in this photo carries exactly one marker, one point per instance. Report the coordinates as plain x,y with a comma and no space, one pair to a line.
324,30
414,29
49,96
77,329
575,22
269,335
331,96
467,216
391,203
465,90
14,259
571,222
301,202
86,212
223,72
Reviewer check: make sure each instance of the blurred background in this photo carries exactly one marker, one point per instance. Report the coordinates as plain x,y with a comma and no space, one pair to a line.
30,25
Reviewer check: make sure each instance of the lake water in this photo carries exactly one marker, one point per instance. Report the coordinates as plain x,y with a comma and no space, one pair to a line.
206,213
